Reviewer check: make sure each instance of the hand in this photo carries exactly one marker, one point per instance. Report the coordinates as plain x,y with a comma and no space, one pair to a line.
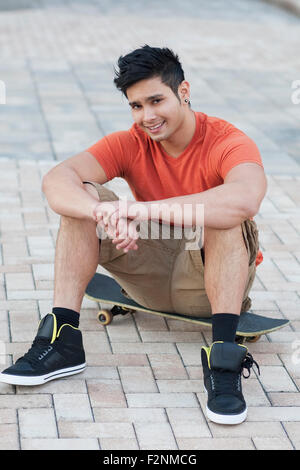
126,235
103,211
113,217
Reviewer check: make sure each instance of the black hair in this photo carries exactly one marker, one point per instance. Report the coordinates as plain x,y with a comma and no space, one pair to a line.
148,62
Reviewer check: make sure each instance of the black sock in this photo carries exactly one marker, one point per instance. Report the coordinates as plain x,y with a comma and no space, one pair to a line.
224,326
65,315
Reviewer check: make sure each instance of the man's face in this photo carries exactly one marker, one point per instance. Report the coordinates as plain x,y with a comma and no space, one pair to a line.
155,108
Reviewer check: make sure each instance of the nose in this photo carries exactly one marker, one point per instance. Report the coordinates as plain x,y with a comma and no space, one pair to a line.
149,114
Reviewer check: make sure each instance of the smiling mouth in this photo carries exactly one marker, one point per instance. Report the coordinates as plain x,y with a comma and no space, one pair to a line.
155,128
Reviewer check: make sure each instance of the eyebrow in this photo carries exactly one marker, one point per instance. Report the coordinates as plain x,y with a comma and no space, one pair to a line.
149,98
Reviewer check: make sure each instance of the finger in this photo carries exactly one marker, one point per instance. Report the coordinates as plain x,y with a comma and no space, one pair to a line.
132,231
111,232
126,244
98,217
122,229
132,246
114,219
123,243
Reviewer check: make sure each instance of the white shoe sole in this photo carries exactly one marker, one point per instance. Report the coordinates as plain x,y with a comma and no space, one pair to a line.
226,419
41,379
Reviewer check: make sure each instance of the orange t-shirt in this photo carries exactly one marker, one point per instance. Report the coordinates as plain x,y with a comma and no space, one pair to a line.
216,147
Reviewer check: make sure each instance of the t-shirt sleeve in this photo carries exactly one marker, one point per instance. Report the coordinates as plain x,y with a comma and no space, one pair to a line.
233,149
115,152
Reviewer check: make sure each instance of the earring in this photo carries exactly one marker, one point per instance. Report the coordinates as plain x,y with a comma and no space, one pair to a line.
186,100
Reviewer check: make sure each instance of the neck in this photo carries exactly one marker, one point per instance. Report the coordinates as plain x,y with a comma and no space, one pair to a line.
181,138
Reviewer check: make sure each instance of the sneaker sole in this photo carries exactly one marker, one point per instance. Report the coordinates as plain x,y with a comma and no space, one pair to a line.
226,419
41,379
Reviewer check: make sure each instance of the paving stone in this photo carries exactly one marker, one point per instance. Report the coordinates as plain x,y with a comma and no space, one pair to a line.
25,401
282,413
275,378
8,416
167,366
106,393
118,444
188,423
248,429
272,443
60,444
167,386
155,436
171,336
142,348
110,359
72,407
96,430
222,443
30,423
293,432
130,415
63,386
161,400
19,281
137,379
9,439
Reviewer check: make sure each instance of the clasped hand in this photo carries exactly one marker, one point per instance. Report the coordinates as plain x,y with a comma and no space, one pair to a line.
114,219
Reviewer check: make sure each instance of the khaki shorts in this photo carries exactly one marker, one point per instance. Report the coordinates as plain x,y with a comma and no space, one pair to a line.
162,274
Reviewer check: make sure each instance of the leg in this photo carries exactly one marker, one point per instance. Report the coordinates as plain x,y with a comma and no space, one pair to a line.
226,272
226,269
76,259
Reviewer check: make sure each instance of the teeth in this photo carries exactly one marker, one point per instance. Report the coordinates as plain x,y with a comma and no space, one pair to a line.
155,127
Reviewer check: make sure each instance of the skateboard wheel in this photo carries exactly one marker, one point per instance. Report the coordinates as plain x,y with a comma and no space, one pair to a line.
253,339
105,317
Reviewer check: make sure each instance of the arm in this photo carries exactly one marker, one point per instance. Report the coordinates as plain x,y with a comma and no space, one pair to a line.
225,206
64,189
66,195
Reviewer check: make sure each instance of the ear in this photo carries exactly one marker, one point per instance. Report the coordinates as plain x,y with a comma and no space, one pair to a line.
184,91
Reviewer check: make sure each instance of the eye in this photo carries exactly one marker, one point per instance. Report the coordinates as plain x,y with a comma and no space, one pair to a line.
135,106
157,100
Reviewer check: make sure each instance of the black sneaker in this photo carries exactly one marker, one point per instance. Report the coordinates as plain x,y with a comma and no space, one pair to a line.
53,354
223,365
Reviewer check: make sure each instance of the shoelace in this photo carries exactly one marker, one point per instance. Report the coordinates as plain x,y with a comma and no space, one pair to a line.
248,364
39,348
228,382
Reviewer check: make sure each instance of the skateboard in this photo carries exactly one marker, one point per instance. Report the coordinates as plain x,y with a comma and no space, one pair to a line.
104,289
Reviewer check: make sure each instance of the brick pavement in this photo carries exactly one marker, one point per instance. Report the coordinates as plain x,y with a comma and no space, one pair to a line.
143,388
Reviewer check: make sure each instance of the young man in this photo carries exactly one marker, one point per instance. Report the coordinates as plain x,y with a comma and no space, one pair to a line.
170,156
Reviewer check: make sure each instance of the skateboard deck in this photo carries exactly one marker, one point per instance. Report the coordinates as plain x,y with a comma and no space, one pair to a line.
105,289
